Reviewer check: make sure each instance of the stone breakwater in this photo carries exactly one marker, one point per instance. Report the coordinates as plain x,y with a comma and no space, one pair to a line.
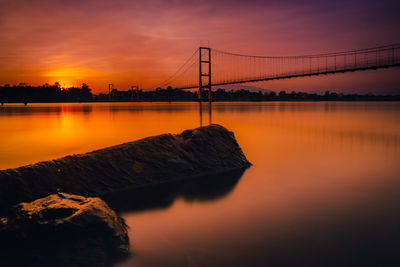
152,160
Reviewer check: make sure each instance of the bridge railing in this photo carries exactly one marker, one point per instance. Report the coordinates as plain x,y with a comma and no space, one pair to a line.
295,66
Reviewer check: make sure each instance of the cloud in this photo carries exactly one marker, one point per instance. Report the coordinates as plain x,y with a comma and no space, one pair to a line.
145,41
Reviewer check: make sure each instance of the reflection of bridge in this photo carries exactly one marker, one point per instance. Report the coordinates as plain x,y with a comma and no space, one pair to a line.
209,108
210,67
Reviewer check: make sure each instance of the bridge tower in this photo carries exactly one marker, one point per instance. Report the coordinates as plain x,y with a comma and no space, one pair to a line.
205,64
134,90
110,90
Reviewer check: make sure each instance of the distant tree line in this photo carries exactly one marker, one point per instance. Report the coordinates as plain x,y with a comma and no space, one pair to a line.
44,93
54,93
159,94
170,94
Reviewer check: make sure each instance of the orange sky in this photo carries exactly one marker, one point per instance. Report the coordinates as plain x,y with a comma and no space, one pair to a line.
143,42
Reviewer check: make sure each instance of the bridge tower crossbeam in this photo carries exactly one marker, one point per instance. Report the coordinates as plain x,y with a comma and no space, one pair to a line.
205,65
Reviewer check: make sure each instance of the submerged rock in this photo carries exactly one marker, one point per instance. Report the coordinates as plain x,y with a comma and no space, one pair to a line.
158,159
63,229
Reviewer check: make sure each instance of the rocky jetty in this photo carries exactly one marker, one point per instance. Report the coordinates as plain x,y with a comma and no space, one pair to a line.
63,229
203,151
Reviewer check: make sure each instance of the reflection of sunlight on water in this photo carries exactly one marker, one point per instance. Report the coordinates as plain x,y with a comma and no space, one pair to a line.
67,126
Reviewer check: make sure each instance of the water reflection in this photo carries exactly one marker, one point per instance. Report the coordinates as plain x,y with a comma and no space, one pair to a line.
323,190
21,110
54,108
162,196
201,111
234,107
45,131
361,232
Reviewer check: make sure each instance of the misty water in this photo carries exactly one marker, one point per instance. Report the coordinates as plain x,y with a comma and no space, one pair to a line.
324,188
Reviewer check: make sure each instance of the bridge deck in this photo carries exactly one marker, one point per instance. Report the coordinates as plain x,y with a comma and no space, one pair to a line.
289,76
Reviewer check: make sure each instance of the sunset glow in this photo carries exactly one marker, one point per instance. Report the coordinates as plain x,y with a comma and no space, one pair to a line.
160,133
68,77
143,42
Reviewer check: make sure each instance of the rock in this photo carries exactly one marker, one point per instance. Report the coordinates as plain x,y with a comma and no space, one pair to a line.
64,229
203,151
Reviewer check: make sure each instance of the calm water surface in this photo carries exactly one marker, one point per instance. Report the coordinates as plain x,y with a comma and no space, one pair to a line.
324,188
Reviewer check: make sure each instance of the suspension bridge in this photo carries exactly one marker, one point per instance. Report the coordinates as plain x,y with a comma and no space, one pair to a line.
208,67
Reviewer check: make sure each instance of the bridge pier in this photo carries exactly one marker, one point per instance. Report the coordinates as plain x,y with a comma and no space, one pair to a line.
134,91
110,90
200,92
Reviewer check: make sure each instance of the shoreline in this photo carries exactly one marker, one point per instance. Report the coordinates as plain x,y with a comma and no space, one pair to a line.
205,101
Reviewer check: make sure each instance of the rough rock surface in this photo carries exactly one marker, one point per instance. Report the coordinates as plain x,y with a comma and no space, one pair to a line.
202,151
63,228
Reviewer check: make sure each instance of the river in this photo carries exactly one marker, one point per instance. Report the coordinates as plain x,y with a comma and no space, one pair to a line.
324,188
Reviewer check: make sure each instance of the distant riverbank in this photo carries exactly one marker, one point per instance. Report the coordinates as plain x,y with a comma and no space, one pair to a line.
382,99
56,94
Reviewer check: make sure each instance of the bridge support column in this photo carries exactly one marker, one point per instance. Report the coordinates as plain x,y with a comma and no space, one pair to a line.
110,91
200,92
134,91
205,63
